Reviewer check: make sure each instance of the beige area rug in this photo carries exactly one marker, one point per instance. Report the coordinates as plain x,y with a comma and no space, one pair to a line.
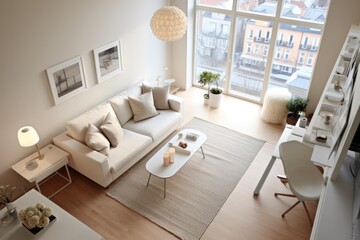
197,192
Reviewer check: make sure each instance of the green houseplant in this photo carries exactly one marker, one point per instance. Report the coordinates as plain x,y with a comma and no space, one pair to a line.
295,106
205,79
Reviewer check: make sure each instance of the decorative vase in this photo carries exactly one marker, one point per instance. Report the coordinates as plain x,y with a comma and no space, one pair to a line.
10,214
215,100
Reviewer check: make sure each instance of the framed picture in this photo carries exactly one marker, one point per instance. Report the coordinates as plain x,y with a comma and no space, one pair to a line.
108,61
66,79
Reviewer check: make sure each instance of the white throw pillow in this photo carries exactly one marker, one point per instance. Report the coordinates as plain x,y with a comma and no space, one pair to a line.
96,140
160,95
143,106
122,108
112,130
76,128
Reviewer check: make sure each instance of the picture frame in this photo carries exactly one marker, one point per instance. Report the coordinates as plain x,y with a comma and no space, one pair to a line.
108,60
66,79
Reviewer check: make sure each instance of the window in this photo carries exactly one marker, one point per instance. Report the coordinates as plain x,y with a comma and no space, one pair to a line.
304,43
287,54
290,42
301,58
212,28
278,54
280,39
225,29
256,49
251,24
259,34
251,33
248,49
310,59
314,44
265,51
267,38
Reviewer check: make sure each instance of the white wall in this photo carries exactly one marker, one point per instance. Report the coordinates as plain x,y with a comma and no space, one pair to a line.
342,15
182,50
38,34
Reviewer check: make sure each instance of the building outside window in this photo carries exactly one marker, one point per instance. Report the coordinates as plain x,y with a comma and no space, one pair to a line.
250,62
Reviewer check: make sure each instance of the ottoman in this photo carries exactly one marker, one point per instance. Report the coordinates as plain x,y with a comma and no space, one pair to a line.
274,108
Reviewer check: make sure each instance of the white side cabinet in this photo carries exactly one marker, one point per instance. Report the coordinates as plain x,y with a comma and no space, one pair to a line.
54,159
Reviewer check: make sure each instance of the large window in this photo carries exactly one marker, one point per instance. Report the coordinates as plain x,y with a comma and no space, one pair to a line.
259,44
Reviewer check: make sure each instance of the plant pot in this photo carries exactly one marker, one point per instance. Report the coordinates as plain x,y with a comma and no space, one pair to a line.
215,100
206,99
291,119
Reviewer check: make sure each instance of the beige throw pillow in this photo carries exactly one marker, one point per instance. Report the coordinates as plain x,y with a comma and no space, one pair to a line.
112,130
160,95
96,140
143,106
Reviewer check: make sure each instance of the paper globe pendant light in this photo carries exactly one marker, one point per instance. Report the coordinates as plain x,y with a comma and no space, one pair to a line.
169,23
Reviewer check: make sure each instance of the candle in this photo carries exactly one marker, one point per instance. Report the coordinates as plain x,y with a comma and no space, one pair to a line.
166,158
172,155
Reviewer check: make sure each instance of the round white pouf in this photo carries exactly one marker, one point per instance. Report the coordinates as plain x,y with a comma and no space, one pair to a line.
274,107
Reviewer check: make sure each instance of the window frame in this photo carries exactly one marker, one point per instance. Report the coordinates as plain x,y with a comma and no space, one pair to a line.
276,20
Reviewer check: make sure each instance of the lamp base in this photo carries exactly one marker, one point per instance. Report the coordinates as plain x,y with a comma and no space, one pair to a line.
32,164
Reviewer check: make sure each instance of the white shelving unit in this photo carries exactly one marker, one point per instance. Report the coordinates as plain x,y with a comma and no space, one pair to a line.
334,217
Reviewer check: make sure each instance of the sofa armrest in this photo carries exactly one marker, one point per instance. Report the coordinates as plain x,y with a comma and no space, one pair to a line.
176,104
85,160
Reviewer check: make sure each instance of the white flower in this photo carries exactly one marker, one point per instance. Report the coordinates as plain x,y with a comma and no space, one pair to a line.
35,216
43,222
33,221
47,212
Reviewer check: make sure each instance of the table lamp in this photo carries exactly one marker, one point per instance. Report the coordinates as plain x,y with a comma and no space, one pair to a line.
27,137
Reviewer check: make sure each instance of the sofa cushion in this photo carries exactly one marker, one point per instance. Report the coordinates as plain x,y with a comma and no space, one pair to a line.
160,95
112,130
122,108
143,106
96,140
76,128
131,144
156,126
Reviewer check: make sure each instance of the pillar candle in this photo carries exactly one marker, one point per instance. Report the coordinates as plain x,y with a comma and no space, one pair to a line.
166,158
172,155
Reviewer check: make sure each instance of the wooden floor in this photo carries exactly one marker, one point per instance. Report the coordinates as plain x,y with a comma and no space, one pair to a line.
243,216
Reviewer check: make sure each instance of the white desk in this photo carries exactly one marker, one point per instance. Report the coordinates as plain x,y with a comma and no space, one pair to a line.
285,136
65,225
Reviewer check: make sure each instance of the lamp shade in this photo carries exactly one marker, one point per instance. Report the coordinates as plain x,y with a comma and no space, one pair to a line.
169,23
27,136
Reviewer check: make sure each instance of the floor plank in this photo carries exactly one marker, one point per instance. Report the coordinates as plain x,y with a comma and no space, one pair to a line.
241,217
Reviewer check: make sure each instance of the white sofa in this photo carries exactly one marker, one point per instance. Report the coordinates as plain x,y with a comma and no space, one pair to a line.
137,140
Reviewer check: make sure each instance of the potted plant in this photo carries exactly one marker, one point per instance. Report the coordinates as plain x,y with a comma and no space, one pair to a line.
205,79
295,106
215,92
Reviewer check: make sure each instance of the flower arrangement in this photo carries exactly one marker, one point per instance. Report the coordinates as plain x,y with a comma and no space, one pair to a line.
6,194
35,216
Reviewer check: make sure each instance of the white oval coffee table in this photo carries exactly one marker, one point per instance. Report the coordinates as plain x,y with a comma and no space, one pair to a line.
155,165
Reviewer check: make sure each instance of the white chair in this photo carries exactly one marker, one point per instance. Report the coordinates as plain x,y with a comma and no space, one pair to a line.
304,179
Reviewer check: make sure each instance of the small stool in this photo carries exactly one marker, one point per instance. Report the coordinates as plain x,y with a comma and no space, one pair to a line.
274,108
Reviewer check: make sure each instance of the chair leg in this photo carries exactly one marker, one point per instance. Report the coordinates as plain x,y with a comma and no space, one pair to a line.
307,212
283,215
291,195
284,194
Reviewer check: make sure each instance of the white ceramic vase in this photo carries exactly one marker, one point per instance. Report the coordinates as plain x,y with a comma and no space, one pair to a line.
215,100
